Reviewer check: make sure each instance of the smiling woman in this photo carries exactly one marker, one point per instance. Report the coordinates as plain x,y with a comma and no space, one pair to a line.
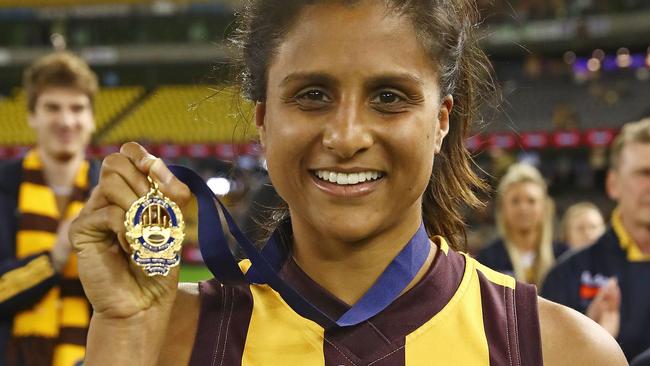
362,108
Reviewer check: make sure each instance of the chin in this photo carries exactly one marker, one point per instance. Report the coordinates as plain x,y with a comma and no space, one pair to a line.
351,229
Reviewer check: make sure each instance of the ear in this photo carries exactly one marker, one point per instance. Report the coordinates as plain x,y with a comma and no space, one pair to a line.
443,120
260,116
611,184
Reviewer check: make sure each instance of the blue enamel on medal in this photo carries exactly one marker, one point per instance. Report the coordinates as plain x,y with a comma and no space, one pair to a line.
155,230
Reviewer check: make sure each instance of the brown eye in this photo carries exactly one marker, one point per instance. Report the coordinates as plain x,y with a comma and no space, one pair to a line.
314,95
389,101
312,99
388,97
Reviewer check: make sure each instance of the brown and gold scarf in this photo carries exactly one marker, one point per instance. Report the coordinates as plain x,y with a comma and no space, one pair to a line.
52,332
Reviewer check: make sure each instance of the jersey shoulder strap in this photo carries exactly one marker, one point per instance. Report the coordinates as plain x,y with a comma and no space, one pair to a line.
510,319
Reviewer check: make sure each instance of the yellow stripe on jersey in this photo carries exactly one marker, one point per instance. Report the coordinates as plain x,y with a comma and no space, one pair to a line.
41,320
38,200
455,335
31,161
74,312
442,244
81,179
71,268
494,276
634,253
22,278
73,209
39,241
68,355
275,328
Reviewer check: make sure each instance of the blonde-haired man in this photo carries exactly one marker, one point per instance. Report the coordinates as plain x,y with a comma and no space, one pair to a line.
44,311
609,281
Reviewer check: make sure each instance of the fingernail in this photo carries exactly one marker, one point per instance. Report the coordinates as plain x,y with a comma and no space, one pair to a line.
161,172
147,158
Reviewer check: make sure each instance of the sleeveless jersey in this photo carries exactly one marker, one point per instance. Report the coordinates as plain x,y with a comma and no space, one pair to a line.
460,313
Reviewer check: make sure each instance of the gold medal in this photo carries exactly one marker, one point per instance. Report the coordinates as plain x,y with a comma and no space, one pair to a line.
155,230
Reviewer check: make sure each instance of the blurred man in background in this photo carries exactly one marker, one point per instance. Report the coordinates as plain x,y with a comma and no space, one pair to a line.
610,281
44,313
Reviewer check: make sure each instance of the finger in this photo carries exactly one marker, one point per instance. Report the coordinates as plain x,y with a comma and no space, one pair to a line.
98,226
158,170
138,155
94,202
122,165
117,191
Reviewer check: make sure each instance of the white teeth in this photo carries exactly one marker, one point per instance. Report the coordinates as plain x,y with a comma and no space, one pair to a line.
347,179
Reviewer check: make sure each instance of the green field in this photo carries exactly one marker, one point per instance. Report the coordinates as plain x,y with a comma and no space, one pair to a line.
194,273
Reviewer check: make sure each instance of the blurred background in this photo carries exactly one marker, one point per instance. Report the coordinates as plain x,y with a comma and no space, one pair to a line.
571,73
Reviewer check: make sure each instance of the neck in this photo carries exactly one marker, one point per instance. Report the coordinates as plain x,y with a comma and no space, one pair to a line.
349,269
525,240
638,231
60,173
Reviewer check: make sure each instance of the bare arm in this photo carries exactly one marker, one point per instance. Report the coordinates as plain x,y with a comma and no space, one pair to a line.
570,338
181,331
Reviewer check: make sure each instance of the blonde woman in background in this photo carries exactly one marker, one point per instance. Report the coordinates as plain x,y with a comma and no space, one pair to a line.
582,224
524,218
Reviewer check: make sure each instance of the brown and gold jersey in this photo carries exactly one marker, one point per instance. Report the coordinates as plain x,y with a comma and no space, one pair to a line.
460,313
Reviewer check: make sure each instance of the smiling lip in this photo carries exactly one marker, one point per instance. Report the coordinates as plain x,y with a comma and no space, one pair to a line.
346,191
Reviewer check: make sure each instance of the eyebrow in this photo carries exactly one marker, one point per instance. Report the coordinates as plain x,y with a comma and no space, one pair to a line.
398,78
316,77
326,79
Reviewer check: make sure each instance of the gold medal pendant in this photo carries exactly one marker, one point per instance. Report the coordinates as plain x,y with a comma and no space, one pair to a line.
155,230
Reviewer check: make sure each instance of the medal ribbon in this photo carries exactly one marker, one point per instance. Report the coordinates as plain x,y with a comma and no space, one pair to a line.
266,264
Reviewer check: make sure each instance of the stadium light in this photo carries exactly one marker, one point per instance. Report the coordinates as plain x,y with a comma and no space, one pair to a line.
593,64
598,54
623,58
219,185
569,57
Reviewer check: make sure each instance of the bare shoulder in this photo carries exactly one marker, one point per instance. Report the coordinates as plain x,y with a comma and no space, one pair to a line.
570,338
183,323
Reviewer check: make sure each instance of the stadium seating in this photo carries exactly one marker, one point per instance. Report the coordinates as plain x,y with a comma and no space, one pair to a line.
606,103
15,130
185,114
108,104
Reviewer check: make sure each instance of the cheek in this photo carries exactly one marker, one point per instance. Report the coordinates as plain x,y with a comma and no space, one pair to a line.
510,212
418,160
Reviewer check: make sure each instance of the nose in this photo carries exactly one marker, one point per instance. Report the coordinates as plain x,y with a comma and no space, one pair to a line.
67,118
347,134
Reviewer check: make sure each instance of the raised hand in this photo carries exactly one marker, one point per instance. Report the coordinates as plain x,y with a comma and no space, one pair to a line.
605,309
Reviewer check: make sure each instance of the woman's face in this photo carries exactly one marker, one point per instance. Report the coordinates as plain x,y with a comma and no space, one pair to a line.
584,228
523,206
352,120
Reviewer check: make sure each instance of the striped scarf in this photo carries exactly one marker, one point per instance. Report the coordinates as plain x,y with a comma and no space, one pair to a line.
52,332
